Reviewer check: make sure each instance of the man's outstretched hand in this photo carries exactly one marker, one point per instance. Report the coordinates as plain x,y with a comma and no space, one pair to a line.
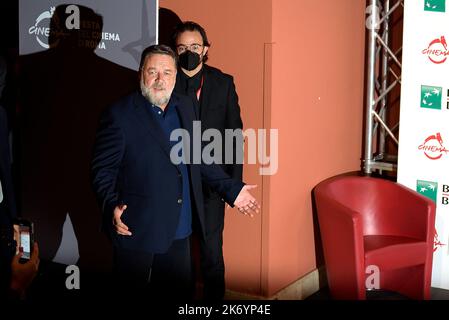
245,202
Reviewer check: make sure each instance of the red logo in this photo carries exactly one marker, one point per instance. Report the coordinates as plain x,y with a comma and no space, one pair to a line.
433,147
437,50
436,242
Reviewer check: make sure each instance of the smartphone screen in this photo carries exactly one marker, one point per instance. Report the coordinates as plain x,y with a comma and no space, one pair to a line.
23,235
25,242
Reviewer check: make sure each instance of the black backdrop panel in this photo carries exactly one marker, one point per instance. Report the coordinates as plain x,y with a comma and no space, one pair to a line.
70,69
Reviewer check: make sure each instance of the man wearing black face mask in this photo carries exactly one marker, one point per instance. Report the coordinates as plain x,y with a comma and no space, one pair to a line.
216,99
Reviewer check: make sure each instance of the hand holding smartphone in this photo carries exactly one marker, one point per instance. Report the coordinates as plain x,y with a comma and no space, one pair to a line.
24,236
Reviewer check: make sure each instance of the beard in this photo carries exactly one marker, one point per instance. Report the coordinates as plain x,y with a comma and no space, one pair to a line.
160,98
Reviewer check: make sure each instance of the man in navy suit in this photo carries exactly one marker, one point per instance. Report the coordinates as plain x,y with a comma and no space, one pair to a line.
148,201
7,205
15,277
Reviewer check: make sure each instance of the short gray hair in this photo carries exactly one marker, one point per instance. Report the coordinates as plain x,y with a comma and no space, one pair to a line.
157,49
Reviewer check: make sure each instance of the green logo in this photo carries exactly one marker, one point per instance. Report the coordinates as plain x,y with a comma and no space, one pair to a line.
428,189
435,5
431,97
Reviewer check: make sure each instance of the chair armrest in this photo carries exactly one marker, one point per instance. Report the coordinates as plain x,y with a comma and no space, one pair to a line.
342,236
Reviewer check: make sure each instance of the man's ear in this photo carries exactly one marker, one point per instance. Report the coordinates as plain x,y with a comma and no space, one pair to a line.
205,51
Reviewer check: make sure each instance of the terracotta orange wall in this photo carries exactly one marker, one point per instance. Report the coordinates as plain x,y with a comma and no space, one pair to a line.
298,67
317,104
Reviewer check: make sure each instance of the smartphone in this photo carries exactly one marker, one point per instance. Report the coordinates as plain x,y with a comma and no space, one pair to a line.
24,236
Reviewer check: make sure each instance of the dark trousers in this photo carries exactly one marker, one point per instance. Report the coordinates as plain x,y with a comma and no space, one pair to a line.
211,250
158,276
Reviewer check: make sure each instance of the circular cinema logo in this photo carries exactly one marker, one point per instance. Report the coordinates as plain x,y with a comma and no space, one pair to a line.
433,147
41,28
437,50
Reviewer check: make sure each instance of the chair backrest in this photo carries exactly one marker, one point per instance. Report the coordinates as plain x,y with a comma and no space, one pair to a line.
380,202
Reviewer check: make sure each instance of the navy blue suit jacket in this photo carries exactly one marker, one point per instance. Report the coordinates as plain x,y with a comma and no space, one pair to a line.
131,165
8,206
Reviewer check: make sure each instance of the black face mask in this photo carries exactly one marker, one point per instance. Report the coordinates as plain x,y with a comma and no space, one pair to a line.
189,60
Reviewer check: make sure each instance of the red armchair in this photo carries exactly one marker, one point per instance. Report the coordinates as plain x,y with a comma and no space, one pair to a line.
368,221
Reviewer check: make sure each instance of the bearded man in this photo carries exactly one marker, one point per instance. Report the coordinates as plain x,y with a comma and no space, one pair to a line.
149,201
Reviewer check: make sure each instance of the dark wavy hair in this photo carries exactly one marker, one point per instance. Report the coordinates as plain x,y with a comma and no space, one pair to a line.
190,26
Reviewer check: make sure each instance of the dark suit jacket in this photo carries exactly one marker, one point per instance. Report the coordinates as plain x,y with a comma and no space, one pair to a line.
219,109
131,165
8,206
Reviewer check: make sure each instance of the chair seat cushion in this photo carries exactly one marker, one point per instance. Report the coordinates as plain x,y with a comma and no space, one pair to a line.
392,252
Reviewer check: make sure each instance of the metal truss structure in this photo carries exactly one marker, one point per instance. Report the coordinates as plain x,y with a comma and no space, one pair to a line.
383,74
